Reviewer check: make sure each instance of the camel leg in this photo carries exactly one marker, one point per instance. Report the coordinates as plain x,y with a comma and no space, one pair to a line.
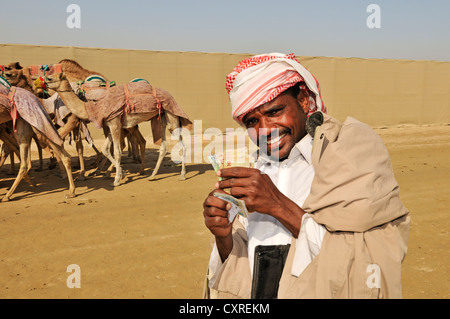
131,143
183,157
162,148
99,156
130,135
11,143
117,156
79,147
12,167
130,152
139,144
64,158
5,153
39,148
44,142
10,147
107,147
183,166
111,165
100,166
23,136
126,135
176,124
114,138
12,160
71,124
133,147
101,160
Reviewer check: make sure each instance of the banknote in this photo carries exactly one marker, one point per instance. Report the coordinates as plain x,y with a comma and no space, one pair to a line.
227,164
233,160
215,163
237,206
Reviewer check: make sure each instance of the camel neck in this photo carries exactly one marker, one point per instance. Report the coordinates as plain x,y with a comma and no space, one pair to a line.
23,83
71,100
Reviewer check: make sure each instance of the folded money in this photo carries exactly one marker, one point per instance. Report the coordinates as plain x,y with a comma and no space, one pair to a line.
237,206
215,163
227,164
233,160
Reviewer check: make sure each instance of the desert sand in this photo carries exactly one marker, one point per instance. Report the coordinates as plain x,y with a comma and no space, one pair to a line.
147,239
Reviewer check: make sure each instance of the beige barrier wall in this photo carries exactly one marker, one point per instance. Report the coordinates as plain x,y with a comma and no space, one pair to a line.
376,91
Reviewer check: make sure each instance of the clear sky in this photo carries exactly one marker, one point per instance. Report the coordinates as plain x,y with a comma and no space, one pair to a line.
408,29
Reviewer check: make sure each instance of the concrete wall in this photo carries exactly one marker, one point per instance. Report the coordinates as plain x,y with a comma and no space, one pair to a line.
376,91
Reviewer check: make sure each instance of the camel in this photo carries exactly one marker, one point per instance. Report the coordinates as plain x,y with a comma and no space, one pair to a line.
60,84
72,124
24,132
93,88
13,73
74,72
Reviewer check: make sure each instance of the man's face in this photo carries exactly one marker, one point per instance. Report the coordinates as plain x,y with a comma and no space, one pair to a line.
285,113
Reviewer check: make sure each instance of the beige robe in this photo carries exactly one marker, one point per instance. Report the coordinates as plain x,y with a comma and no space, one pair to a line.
354,194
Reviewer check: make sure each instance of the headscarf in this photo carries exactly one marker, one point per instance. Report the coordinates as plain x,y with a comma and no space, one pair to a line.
261,78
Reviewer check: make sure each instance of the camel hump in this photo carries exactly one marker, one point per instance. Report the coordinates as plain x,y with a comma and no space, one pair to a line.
95,77
5,83
95,81
139,80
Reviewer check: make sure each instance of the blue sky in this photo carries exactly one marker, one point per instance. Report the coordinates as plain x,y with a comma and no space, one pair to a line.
408,29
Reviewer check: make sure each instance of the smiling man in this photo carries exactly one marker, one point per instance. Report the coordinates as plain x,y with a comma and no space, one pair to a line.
325,190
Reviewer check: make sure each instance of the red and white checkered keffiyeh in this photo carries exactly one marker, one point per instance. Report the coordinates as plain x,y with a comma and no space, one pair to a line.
261,78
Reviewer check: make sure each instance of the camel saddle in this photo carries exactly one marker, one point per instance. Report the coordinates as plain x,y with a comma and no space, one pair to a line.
136,97
22,103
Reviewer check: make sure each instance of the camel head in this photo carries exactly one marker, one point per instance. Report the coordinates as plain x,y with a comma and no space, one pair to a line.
13,72
55,80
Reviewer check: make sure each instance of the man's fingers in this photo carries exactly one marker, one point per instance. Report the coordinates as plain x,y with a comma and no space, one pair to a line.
238,172
216,191
233,182
214,202
216,221
215,212
239,192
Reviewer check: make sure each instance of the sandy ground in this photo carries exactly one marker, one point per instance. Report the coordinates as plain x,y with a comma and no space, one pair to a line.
147,239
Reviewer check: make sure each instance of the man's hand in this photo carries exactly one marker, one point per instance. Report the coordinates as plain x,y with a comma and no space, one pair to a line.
215,212
256,189
261,195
